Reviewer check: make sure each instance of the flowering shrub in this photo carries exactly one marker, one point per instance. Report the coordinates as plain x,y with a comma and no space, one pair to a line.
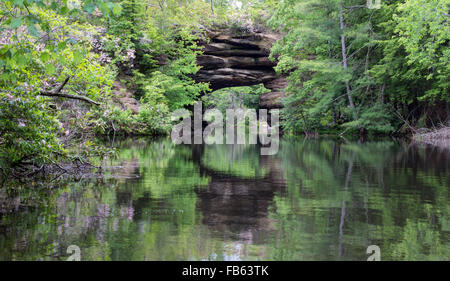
243,22
40,46
27,132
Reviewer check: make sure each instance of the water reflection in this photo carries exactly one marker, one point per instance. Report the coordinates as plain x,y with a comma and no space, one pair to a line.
315,200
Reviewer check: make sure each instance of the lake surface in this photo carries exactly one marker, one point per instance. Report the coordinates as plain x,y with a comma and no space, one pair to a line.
317,199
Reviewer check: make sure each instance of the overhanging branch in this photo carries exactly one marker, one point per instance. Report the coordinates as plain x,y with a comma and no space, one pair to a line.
57,93
69,96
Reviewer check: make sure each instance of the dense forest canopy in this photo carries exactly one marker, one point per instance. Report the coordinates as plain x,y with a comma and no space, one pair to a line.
364,68
71,70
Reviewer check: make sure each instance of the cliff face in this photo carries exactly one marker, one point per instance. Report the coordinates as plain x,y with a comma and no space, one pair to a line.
231,60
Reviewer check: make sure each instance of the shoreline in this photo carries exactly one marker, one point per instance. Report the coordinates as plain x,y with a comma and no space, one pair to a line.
438,137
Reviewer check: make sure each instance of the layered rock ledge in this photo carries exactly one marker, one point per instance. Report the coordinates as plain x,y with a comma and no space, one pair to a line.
231,60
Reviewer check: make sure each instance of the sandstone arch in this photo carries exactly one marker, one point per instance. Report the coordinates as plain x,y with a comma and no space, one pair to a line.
241,59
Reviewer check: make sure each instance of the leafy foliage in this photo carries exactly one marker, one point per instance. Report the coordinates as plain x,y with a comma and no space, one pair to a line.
349,67
236,97
397,61
41,45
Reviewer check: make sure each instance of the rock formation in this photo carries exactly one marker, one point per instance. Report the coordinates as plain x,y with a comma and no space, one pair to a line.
124,98
231,60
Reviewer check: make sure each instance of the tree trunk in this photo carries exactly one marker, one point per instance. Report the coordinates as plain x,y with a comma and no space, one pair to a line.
344,54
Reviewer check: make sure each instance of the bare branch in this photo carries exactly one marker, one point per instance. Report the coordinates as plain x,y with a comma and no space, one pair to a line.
57,90
57,93
69,96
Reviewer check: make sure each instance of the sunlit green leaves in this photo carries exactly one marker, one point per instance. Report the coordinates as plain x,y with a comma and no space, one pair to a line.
423,30
117,9
50,69
77,57
64,10
62,45
45,56
21,59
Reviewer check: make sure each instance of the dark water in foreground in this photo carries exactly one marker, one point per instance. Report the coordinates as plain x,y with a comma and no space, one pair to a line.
315,200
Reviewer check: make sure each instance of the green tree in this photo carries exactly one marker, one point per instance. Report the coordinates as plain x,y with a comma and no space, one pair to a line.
351,67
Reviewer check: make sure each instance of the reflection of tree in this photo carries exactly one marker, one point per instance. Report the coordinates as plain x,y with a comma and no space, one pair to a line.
147,193
420,241
342,197
316,199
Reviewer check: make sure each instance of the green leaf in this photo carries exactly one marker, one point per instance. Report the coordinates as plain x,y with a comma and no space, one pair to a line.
117,9
4,49
71,40
89,8
50,69
32,30
77,57
103,7
62,45
64,10
15,23
74,12
45,57
45,26
21,60
54,6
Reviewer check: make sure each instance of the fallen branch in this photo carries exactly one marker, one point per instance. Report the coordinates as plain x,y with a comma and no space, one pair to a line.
69,96
405,121
57,93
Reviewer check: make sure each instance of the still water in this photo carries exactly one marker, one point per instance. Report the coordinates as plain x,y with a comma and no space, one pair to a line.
317,199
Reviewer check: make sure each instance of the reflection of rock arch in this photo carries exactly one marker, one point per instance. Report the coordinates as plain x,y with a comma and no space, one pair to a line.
231,60
237,206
